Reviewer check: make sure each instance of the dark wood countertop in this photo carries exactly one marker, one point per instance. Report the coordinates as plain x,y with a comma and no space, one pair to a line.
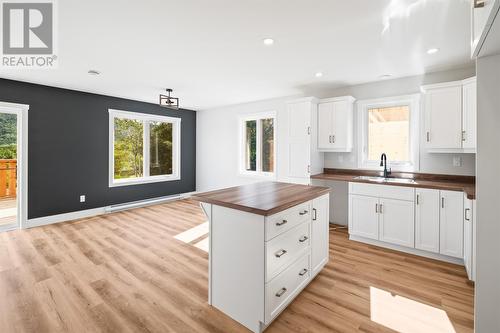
422,180
265,198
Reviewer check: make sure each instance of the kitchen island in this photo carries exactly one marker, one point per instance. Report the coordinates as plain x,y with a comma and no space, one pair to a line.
267,241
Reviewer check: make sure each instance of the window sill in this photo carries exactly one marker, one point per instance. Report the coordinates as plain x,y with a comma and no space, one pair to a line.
139,181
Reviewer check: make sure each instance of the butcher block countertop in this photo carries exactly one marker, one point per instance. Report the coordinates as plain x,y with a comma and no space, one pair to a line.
422,180
265,198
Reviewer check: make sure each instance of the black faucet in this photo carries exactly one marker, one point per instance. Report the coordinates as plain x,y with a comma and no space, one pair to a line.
383,162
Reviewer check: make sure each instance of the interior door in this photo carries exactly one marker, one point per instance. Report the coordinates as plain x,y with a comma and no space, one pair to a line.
320,232
451,224
325,122
363,216
443,117
427,220
397,222
299,142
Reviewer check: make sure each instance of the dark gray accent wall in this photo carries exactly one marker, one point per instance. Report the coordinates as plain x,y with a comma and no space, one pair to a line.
68,149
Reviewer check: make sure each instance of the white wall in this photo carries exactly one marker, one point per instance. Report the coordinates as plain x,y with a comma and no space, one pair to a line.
488,201
217,138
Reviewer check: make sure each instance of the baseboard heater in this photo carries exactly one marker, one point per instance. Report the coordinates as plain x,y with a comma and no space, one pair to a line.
142,203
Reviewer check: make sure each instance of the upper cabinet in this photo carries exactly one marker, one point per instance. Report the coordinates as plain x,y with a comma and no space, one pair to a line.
484,25
450,116
335,124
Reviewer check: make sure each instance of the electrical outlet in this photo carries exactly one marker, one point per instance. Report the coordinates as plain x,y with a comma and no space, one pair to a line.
341,158
82,198
457,161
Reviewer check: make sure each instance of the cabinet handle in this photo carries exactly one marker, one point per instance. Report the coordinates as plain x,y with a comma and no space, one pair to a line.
376,208
281,292
478,3
304,212
442,202
315,214
466,215
303,239
330,138
303,272
463,136
279,224
418,199
333,138
280,253
428,136
380,208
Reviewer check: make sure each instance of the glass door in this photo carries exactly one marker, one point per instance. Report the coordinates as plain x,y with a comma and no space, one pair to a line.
8,171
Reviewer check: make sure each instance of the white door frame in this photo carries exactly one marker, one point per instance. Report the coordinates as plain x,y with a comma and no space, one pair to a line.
21,110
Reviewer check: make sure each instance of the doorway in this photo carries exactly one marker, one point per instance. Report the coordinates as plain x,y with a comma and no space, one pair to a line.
13,121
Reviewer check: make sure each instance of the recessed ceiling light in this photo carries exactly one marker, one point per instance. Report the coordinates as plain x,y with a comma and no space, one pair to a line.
385,76
268,41
432,51
318,74
93,72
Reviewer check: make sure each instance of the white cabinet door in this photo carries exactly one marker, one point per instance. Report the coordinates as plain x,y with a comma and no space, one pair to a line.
320,233
451,224
342,126
443,117
468,241
363,216
325,125
469,114
299,143
397,222
427,220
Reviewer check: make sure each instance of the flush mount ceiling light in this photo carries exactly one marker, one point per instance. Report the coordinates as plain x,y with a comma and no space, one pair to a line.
168,101
268,41
432,51
318,74
385,76
93,72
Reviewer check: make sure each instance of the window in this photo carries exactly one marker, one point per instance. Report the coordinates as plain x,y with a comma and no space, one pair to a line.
143,148
390,126
258,144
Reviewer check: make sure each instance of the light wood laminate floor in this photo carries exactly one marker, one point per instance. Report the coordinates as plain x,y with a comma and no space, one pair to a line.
125,272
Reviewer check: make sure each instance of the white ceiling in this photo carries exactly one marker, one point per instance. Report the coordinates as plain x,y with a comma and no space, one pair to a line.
211,52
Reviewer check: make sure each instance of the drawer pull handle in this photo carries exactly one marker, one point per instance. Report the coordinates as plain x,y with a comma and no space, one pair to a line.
315,215
303,239
279,224
467,215
280,253
281,292
304,212
303,272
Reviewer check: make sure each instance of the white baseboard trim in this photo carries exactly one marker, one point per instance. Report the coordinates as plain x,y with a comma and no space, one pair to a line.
417,252
40,221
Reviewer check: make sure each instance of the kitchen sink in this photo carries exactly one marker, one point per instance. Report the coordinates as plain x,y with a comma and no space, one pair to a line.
387,180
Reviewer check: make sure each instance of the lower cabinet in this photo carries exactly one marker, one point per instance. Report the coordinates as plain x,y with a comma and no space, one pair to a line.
451,224
397,222
320,224
429,220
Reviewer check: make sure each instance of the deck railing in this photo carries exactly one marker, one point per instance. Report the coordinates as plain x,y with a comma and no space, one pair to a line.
8,178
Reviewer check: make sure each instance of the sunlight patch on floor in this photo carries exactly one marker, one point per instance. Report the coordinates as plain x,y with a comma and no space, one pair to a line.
194,234
8,212
406,315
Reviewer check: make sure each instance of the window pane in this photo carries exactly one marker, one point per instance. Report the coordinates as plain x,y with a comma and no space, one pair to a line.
128,148
251,145
160,152
389,132
267,144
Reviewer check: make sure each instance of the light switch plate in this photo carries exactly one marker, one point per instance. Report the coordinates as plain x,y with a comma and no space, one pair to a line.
457,161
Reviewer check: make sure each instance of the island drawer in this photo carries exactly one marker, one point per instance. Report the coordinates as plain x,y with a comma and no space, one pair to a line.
281,291
286,248
283,221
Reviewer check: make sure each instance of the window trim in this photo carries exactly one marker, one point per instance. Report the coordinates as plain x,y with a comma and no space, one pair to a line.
146,178
413,101
242,145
